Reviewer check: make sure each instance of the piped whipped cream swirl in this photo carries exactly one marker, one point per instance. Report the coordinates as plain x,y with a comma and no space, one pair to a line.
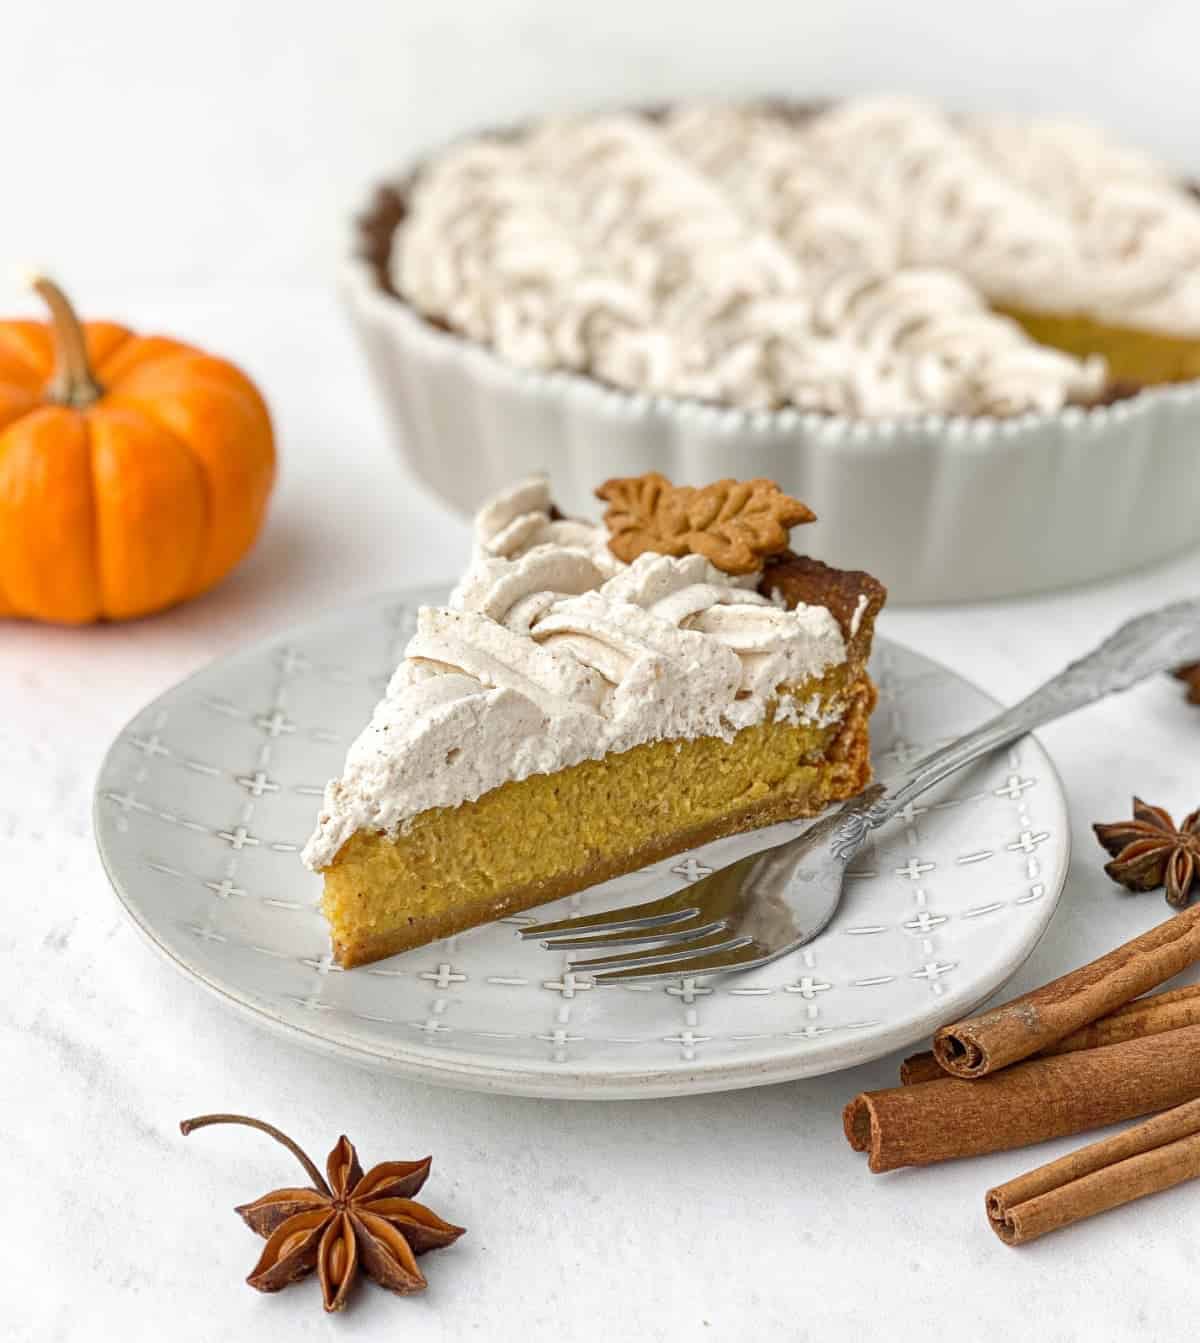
550,652
1048,215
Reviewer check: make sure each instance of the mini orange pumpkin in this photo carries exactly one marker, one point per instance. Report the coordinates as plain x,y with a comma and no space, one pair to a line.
134,470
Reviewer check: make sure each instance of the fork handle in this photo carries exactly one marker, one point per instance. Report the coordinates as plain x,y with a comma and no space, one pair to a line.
1157,642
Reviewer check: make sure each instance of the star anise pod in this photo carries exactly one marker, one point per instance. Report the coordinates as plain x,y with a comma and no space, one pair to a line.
734,524
1191,677
1151,851
342,1224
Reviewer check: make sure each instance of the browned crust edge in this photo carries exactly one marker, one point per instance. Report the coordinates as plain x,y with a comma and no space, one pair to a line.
801,580
849,751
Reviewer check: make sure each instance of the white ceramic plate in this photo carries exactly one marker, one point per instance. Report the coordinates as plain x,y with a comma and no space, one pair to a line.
206,798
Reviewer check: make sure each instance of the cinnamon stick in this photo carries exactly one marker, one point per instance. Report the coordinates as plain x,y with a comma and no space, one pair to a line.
1151,1015
1031,1102
1029,1024
1156,1155
922,1067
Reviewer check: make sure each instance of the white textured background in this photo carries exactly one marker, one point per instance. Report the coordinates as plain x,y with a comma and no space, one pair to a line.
190,168
153,142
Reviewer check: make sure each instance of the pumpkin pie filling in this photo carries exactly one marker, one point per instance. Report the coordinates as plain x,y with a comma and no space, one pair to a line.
1135,357
573,715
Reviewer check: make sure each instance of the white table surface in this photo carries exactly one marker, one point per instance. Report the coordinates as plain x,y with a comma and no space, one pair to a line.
736,1216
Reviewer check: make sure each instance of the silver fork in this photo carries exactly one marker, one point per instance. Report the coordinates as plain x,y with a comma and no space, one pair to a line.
771,903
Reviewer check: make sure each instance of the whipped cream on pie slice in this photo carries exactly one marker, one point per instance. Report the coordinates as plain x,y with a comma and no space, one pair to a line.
551,651
845,261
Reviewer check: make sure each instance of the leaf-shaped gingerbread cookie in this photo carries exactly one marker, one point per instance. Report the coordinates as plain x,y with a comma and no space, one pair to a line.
734,524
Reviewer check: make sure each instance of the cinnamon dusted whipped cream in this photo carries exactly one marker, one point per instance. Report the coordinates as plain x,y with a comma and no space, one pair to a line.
552,651
844,262
1052,216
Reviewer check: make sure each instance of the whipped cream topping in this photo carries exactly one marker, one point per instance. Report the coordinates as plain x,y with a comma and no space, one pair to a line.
1048,215
552,651
845,262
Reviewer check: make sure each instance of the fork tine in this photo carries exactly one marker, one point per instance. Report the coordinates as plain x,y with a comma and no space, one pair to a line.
712,943
683,930
745,954
663,913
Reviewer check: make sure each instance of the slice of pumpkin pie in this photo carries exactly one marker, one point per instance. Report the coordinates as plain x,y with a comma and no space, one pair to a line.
594,698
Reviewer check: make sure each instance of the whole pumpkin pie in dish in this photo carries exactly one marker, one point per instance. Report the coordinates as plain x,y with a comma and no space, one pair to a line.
982,337
594,698
872,258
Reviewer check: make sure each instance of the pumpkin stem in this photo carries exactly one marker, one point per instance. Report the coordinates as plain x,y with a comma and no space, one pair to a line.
74,383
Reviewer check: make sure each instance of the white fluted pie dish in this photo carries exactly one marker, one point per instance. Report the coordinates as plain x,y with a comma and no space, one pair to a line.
937,327
942,508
